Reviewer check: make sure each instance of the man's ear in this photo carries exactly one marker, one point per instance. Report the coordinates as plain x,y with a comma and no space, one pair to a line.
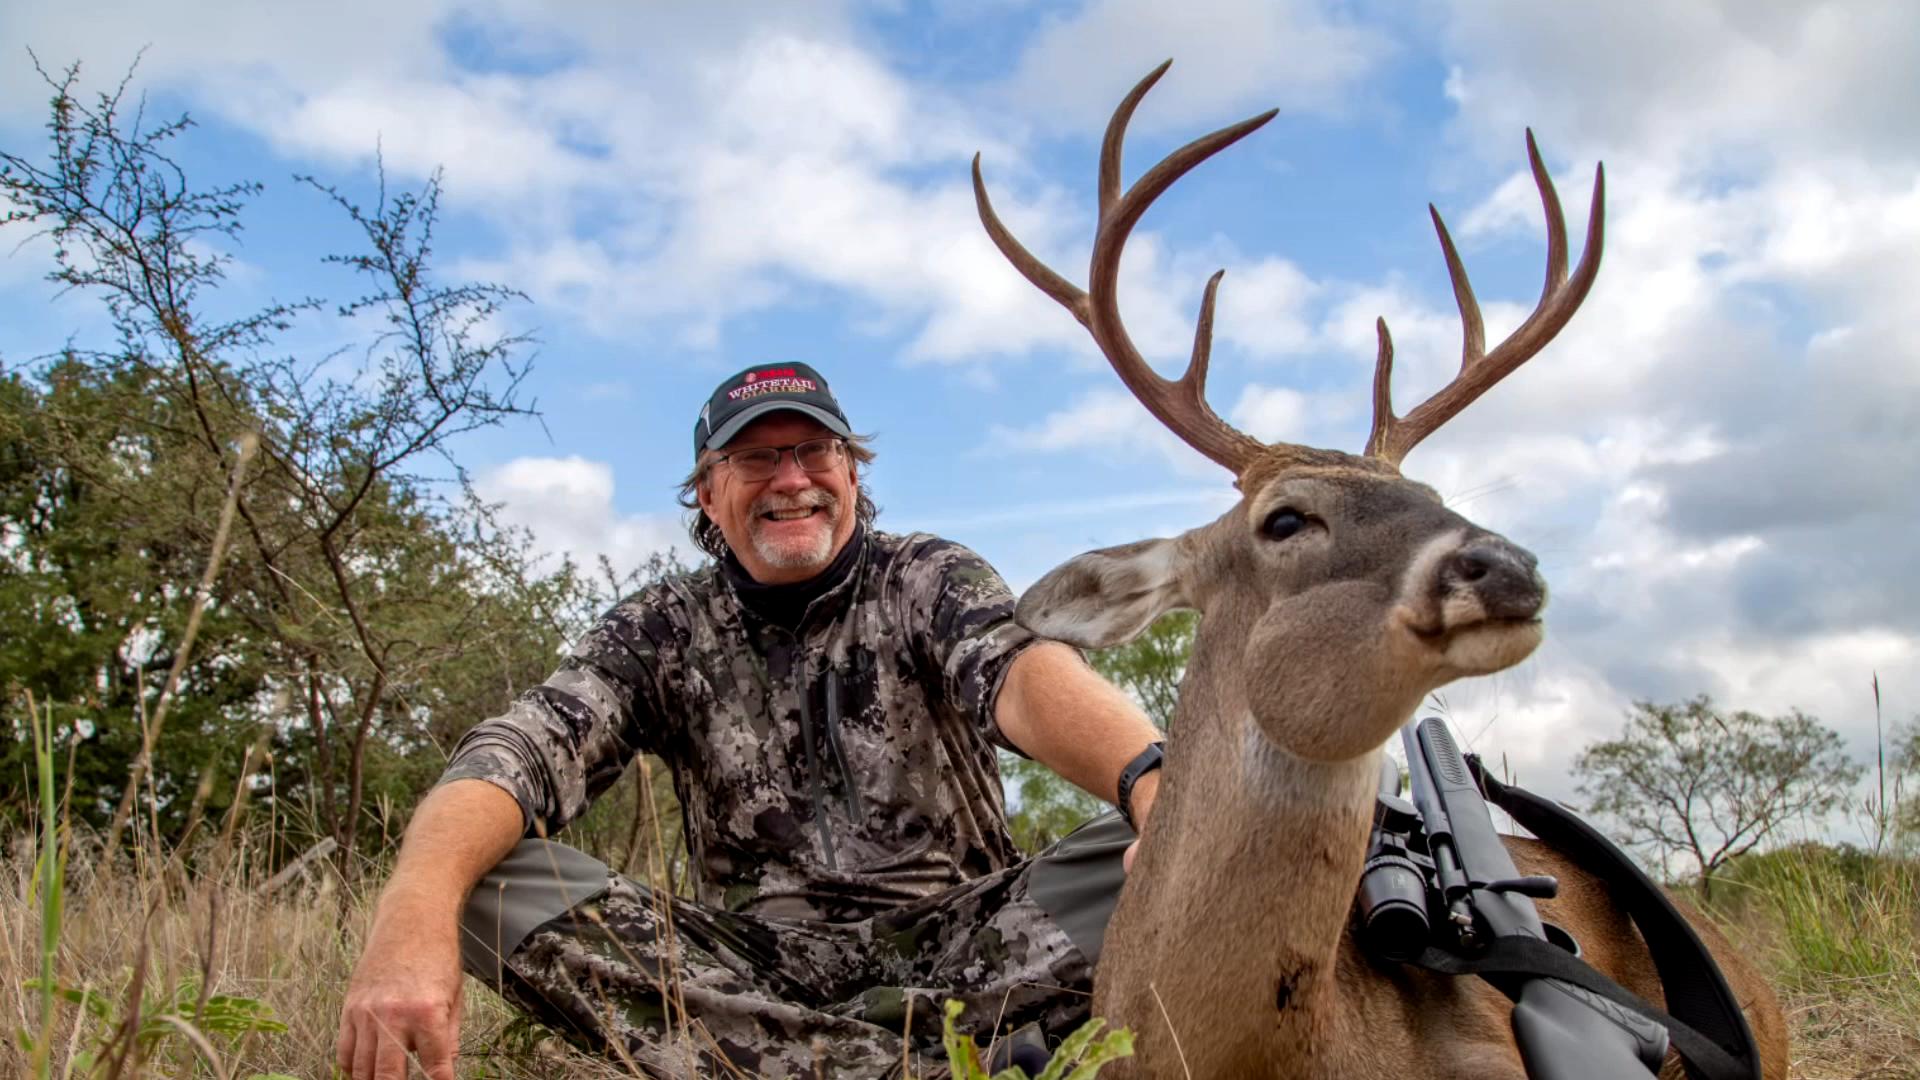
703,488
1103,598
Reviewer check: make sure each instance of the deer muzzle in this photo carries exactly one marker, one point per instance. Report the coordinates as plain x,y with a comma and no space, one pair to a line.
1466,582
1489,578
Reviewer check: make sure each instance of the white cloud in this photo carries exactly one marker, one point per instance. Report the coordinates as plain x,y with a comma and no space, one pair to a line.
567,504
489,133
672,169
1101,419
219,49
1237,55
1702,82
1132,505
1263,308
1273,414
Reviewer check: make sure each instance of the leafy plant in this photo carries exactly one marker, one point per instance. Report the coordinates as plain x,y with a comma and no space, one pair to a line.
178,1015
1080,1056
49,882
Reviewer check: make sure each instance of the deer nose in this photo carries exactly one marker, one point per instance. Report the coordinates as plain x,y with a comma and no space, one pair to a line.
1501,574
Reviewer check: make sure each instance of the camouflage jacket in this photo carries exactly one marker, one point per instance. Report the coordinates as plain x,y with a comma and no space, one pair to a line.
828,773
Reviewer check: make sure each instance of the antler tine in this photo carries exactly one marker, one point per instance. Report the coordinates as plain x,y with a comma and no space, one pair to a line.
1560,296
1383,418
1116,135
1065,292
1179,404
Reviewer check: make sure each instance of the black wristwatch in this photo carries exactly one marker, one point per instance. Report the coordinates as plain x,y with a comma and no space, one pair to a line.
1148,760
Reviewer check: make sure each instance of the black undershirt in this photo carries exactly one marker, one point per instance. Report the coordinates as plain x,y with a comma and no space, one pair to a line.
786,605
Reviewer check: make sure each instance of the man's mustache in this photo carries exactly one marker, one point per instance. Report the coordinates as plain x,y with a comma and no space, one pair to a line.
812,498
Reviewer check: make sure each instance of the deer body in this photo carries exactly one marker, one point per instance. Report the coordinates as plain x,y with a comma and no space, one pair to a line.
1230,953
1334,598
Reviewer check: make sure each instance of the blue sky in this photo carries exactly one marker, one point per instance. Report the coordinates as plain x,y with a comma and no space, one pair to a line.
1714,462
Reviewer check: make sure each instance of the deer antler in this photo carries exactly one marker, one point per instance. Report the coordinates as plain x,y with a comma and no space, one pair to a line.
1179,404
1393,436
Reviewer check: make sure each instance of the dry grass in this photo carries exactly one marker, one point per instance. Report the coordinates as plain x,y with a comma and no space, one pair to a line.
293,952
1850,1033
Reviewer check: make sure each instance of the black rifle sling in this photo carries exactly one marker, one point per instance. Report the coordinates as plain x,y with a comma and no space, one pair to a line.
1703,1009
1515,956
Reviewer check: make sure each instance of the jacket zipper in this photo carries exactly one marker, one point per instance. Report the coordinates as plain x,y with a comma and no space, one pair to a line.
833,743
820,818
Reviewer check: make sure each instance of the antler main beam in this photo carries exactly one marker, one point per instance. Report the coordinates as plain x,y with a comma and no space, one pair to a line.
1393,436
1180,404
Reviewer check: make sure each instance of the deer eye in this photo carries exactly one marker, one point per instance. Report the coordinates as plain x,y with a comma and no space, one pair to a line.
1283,523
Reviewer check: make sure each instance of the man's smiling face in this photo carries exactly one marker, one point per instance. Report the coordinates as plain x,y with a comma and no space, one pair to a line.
788,527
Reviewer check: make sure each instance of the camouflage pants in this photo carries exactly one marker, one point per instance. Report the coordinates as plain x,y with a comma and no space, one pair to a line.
676,988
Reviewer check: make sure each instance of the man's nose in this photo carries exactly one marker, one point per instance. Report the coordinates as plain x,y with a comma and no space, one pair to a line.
788,475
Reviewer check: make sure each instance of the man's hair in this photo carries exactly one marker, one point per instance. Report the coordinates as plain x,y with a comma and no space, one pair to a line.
706,532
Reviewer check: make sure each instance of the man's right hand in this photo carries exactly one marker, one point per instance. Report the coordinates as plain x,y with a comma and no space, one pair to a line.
403,1003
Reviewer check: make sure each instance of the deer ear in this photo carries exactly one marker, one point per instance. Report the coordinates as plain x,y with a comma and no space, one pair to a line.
1105,597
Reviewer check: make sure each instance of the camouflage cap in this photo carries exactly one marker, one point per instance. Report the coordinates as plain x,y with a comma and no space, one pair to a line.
748,395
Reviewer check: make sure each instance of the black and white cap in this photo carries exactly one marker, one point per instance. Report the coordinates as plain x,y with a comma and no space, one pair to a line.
757,391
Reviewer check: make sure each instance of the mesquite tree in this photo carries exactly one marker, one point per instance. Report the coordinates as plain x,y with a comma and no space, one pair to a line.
349,593
1711,784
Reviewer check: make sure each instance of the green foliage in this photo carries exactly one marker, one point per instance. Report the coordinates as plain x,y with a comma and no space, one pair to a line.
110,520
1903,765
1840,912
165,1022
49,885
1080,1055
1044,806
1712,785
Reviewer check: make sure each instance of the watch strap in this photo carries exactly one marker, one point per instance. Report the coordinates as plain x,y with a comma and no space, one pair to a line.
1143,763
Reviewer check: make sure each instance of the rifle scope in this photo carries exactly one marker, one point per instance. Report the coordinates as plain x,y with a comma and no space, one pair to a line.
1393,888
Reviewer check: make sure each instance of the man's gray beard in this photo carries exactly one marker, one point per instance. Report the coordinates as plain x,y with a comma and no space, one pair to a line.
787,558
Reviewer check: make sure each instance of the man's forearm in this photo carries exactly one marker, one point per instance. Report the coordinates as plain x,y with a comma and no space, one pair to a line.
403,1002
1061,713
458,833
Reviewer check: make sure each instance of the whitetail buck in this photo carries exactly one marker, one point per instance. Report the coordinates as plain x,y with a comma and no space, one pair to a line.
1334,598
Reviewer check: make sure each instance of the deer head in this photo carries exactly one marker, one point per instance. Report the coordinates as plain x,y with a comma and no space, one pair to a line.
1337,593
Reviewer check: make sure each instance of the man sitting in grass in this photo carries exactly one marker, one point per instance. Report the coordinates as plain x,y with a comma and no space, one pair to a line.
829,698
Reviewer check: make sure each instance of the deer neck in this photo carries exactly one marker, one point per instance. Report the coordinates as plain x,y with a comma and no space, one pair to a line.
1285,836
1276,843
1248,869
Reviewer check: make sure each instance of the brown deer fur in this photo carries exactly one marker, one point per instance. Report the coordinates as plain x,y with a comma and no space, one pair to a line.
1334,598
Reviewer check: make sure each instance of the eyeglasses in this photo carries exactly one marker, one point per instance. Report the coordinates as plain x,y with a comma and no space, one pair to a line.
761,462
